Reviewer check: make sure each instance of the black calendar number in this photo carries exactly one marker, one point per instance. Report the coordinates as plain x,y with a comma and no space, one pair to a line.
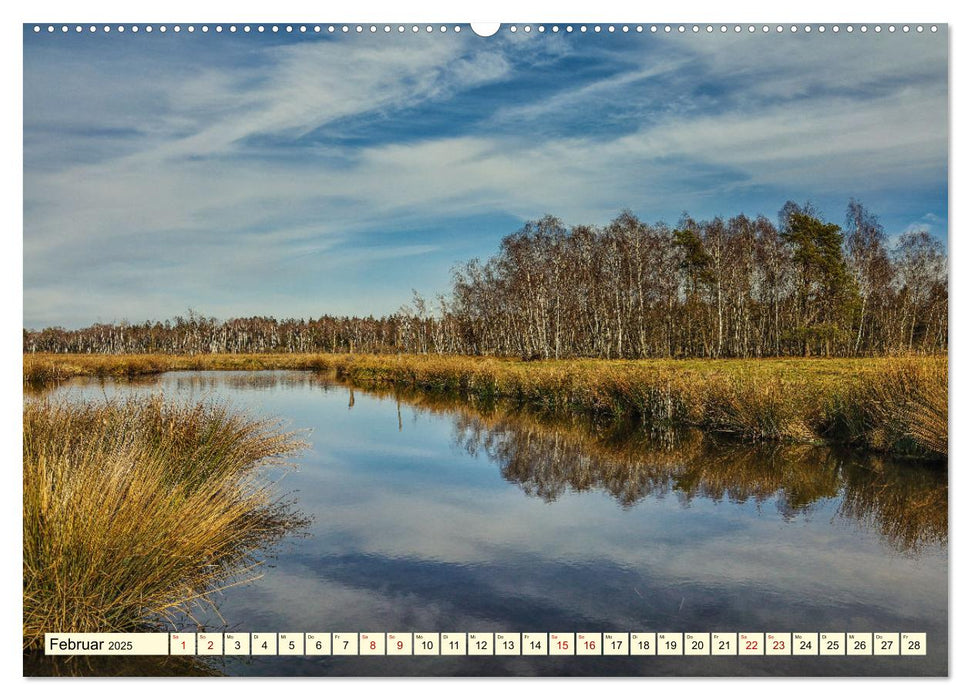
859,645
886,645
914,645
832,645
805,646
482,645
697,645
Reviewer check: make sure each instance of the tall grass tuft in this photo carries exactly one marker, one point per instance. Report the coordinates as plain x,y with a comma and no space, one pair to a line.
136,510
927,415
769,409
902,409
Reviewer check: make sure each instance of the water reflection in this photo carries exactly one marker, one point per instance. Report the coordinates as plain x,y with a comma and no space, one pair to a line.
550,455
547,455
431,513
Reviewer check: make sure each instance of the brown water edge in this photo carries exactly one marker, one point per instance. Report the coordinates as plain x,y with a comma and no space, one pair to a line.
35,664
890,404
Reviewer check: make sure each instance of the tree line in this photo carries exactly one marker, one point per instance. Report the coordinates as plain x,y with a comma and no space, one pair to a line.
736,287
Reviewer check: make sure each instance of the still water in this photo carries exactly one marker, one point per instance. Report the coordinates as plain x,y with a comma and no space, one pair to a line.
432,515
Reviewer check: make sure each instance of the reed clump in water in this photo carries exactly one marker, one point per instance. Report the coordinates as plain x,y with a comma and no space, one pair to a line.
136,510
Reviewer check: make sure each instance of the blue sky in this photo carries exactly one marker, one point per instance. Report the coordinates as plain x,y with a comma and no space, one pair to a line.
298,175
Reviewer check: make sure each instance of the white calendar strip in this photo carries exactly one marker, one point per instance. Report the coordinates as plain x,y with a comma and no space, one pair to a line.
488,644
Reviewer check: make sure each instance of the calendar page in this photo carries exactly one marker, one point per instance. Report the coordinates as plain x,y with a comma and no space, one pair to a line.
524,349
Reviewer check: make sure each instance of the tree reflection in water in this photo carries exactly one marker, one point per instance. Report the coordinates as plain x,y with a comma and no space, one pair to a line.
549,455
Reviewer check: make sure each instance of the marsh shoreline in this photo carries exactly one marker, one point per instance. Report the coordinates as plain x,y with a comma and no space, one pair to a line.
894,405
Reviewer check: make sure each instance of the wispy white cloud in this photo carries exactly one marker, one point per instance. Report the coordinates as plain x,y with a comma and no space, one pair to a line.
215,172
307,86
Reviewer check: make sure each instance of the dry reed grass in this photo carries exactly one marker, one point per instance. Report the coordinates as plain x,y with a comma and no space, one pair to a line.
903,409
136,510
890,404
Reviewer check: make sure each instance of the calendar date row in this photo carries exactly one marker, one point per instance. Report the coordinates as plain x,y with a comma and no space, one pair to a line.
490,644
